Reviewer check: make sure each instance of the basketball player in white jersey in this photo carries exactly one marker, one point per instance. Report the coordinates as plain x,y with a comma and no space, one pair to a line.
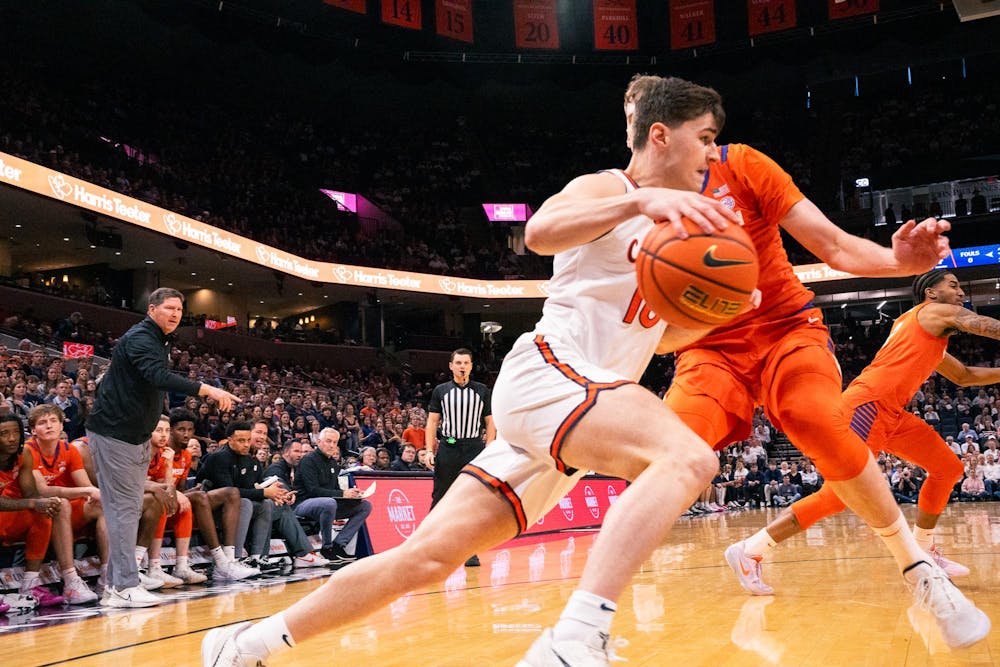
565,392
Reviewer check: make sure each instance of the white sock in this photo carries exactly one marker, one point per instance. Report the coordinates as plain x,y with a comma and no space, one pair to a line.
140,554
904,548
155,564
266,638
30,580
220,557
924,537
585,614
759,544
68,575
183,562
230,552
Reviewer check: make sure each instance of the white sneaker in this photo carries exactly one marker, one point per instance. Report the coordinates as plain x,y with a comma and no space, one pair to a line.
218,648
18,603
167,580
149,583
132,598
961,623
311,559
188,575
950,567
747,569
545,652
233,570
76,591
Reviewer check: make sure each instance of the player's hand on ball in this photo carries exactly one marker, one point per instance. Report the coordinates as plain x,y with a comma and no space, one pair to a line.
672,206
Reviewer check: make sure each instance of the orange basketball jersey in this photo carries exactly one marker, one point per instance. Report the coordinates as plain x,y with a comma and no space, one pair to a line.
9,486
908,356
57,470
753,185
181,467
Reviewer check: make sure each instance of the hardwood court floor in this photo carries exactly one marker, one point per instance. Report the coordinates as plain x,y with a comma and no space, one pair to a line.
839,601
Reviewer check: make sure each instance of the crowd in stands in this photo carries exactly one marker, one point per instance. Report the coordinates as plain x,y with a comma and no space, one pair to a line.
258,172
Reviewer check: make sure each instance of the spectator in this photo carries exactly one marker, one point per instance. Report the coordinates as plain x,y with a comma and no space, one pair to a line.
383,460
129,401
317,484
407,460
70,406
415,434
772,478
967,432
811,480
787,492
973,488
905,489
991,476
753,484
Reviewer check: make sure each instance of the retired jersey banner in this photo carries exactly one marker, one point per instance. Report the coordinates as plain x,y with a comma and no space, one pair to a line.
842,9
77,350
357,6
692,23
770,16
615,25
536,24
454,19
404,13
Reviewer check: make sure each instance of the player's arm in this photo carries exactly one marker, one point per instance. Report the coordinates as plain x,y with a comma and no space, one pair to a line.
592,205
967,376
916,248
674,338
491,429
29,499
67,492
430,435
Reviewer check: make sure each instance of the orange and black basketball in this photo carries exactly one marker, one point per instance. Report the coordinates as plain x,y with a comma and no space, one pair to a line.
699,282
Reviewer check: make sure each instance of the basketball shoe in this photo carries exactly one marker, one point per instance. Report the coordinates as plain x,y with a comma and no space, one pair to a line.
950,567
129,598
75,591
188,575
747,569
168,581
219,649
546,652
961,623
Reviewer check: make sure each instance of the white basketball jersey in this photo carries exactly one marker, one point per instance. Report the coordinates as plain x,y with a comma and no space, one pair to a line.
594,300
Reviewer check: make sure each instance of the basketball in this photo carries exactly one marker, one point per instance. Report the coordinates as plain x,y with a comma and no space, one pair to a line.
699,282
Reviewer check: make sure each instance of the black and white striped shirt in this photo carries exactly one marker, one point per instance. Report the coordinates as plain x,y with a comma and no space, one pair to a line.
463,410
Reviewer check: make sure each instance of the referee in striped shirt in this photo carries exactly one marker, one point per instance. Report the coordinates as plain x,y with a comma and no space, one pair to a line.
458,417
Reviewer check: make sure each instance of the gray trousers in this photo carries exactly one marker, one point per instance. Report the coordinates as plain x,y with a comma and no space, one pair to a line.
324,510
242,527
291,531
121,473
260,527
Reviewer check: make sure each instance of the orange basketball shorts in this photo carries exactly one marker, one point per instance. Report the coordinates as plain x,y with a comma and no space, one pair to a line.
787,366
27,526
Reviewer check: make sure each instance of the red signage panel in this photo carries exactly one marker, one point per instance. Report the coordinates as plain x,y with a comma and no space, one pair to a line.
692,23
842,9
357,6
454,19
404,13
399,504
770,16
615,25
536,24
